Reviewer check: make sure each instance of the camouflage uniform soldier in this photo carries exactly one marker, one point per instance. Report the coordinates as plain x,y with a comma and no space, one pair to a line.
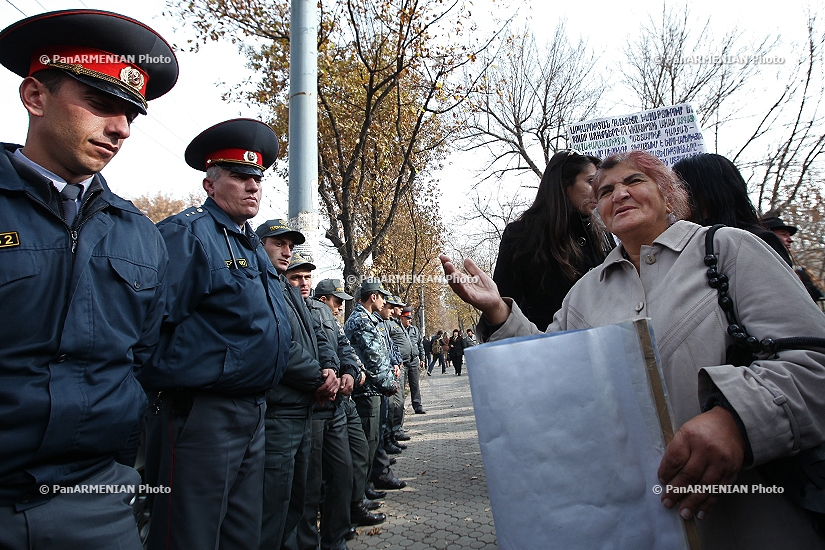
364,329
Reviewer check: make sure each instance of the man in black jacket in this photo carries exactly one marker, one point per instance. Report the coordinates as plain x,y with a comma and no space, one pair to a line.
311,377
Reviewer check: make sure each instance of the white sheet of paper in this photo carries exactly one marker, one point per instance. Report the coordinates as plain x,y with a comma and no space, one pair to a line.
571,442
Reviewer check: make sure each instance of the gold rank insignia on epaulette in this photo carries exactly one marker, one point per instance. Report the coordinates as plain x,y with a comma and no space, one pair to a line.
9,239
241,262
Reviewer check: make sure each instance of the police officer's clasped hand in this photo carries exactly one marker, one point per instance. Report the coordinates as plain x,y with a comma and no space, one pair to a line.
329,389
347,384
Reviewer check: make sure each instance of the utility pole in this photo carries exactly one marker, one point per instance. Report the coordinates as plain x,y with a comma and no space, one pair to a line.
303,121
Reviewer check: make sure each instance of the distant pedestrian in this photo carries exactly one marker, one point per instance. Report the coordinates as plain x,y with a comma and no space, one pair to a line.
457,351
437,353
445,350
427,343
470,340
785,232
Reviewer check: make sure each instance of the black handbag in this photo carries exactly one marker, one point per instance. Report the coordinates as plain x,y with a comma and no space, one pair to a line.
803,475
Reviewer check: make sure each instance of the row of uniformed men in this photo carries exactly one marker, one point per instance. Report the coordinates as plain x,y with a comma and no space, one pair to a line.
96,299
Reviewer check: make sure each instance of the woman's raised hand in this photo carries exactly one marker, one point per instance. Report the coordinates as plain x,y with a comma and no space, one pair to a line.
477,289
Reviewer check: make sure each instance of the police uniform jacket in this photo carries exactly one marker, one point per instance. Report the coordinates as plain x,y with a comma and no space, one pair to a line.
225,327
370,340
395,355
779,399
400,339
323,317
310,351
81,311
417,345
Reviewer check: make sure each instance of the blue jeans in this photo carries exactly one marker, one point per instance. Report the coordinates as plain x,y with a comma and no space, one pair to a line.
440,358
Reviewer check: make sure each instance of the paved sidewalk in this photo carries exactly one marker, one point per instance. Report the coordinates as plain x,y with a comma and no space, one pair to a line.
445,503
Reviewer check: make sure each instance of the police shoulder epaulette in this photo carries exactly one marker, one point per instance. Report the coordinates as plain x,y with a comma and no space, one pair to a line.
193,212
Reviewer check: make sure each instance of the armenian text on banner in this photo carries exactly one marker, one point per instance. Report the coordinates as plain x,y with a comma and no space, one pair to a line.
670,133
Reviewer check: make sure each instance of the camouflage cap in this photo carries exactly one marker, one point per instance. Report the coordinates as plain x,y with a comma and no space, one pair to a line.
373,284
299,261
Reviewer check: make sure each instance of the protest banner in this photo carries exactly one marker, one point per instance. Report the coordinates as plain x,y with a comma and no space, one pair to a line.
670,133
572,427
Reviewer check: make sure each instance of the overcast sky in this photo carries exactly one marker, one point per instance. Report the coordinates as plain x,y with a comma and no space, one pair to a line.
152,158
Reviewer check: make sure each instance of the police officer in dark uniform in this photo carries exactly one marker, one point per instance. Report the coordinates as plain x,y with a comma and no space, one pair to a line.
330,295
224,344
311,377
416,358
395,416
82,273
330,458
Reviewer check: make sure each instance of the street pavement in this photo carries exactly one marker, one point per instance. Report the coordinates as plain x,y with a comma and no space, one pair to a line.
445,503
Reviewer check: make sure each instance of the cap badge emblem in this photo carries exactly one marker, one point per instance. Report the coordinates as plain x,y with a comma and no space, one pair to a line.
250,156
132,77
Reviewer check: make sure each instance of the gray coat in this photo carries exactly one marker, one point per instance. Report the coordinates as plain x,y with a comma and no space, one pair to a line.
671,288
417,345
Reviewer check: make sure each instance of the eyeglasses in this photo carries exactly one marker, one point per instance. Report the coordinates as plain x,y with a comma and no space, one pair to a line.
571,152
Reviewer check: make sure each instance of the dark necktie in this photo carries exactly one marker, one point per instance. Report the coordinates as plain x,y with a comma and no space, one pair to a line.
69,196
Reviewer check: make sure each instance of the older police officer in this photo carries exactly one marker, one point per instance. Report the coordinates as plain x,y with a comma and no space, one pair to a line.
224,343
81,279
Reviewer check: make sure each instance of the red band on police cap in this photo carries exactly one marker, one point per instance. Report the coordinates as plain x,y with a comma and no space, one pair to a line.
238,156
116,69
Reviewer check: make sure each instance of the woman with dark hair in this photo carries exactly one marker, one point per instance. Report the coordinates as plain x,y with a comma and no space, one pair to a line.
555,241
719,194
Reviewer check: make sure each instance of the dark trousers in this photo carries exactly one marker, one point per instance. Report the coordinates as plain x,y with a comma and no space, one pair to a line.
209,449
458,360
288,444
369,411
380,470
413,381
395,414
330,473
358,448
77,521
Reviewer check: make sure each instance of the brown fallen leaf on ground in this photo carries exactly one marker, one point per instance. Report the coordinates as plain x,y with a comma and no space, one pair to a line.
374,531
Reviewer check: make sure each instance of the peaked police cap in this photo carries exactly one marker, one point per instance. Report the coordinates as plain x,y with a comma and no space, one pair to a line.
108,51
242,145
